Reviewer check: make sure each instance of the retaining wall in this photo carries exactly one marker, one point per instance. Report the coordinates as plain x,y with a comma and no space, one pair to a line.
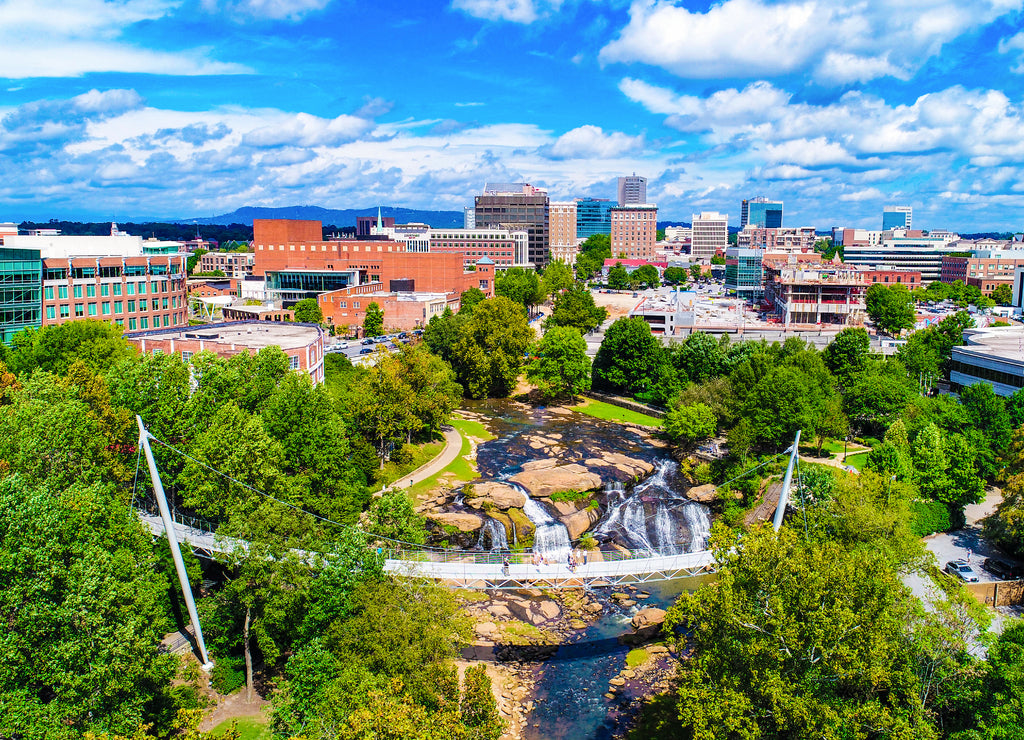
627,403
998,593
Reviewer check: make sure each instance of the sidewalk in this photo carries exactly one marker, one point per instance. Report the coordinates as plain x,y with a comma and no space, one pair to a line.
452,447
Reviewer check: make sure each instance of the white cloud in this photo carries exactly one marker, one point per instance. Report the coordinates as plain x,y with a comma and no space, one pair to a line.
754,38
1014,44
70,38
869,194
291,10
514,11
592,141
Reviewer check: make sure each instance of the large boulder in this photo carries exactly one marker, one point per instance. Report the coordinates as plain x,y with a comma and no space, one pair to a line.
580,521
631,466
499,495
704,494
462,522
542,483
646,626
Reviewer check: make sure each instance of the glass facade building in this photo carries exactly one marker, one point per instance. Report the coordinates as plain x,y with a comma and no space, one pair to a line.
761,212
744,272
593,216
21,291
897,217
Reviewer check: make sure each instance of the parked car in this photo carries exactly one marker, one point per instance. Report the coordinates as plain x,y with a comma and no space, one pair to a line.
368,340
366,351
962,570
1002,570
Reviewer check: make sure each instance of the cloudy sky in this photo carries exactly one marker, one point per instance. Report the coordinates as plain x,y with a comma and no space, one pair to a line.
182,108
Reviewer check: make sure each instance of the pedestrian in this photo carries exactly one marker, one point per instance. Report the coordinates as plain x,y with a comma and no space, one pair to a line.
505,566
968,554
584,557
569,561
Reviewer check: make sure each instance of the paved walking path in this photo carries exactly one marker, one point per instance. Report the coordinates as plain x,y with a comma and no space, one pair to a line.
452,448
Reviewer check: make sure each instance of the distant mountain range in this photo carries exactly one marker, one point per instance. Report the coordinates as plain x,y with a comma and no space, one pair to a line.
334,217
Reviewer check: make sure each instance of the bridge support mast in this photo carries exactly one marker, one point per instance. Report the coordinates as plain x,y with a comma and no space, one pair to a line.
172,540
780,510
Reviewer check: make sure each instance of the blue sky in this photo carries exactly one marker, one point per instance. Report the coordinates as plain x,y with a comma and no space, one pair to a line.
182,108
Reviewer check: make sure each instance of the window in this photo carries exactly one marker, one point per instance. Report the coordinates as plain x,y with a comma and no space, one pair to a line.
131,306
186,356
62,291
78,291
165,304
51,312
355,304
105,290
117,288
293,362
118,307
142,287
65,311
143,306
79,309
90,291
156,322
92,309
119,322
129,288
49,293
144,322
132,326
106,308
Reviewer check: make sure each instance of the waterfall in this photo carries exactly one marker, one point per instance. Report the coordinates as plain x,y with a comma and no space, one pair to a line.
493,531
653,516
699,523
550,538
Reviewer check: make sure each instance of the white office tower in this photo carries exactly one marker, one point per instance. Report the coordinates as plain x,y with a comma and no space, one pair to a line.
710,234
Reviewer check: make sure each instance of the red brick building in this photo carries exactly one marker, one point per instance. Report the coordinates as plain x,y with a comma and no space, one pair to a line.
145,292
303,343
402,311
298,263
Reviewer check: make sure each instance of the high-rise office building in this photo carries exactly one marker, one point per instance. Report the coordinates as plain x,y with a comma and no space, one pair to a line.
710,234
562,231
21,291
897,217
468,218
516,206
593,216
632,190
634,231
761,212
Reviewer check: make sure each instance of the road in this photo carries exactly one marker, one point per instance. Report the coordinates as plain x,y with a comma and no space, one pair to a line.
956,545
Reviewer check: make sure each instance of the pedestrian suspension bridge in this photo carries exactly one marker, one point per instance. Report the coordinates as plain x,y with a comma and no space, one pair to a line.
468,569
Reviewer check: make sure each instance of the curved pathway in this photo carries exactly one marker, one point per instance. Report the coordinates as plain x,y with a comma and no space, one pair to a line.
452,448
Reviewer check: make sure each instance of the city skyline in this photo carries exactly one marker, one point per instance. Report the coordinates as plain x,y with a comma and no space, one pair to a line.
180,109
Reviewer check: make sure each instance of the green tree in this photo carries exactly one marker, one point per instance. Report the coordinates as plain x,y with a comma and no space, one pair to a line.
558,276
647,275
560,366
307,311
690,424
55,348
382,405
797,640
373,321
890,307
1002,294
392,516
930,462
521,286
468,300
782,402
987,413
618,278
489,348
575,307
675,276
848,352
696,272
828,421
629,359
1006,527
699,357
80,601
479,709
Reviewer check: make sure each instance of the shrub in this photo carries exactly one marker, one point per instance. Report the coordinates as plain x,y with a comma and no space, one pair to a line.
929,517
228,675
587,541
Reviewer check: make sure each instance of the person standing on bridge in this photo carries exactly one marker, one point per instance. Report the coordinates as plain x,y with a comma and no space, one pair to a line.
505,566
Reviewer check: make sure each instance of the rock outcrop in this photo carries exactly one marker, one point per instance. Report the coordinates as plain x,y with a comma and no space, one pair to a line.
543,482
580,521
646,626
499,495
704,494
462,522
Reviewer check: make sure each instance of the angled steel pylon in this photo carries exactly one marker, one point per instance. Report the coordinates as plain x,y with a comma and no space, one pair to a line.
172,540
780,510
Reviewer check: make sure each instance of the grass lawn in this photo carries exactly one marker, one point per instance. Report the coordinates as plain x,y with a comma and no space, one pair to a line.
607,411
858,460
460,467
832,447
422,454
249,728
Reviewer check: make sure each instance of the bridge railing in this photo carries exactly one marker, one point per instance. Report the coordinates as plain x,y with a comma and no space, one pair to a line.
497,557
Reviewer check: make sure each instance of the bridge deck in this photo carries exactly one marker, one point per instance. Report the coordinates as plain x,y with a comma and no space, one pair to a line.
485,570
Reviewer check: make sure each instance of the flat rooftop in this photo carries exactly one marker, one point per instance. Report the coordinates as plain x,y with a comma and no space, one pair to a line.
1006,342
252,334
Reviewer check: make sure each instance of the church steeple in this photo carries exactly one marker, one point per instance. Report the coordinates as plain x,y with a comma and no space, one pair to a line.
380,221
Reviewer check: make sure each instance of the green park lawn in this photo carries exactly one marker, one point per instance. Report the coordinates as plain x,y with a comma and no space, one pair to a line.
422,454
607,411
460,467
249,728
857,461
